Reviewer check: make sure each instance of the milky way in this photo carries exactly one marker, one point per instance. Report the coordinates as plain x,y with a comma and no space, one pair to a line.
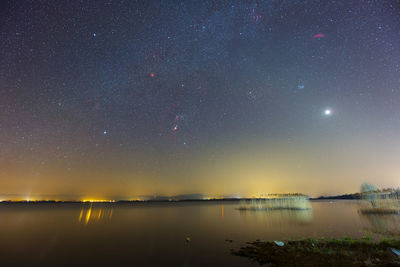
128,98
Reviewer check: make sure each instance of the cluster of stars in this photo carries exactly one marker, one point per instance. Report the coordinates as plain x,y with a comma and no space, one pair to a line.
152,76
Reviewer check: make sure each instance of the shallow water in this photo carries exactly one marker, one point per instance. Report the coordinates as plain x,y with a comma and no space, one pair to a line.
154,234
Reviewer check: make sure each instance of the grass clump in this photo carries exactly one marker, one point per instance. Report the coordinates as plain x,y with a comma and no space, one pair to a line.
379,201
323,252
277,202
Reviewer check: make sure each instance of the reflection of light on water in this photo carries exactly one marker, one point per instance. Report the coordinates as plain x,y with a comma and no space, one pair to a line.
88,214
93,214
80,215
222,211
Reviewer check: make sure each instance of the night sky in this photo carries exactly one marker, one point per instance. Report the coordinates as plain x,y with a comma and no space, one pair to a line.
125,99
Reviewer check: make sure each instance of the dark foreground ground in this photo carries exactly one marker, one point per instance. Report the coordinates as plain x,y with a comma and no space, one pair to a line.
323,252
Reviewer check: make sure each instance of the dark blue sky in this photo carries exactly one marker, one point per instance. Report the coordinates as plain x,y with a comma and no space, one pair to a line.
127,98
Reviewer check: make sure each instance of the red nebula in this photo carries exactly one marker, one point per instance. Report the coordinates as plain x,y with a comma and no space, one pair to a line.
152,75
319,35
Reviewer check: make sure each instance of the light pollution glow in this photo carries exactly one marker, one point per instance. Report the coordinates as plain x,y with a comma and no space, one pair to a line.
226,99
313,168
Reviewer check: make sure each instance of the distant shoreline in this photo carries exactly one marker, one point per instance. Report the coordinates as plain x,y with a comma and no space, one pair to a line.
346,196
355,196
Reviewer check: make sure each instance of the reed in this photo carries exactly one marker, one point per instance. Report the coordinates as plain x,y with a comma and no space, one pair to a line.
277,202
385,201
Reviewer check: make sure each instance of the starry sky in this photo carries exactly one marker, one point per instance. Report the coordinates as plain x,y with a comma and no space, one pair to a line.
122,99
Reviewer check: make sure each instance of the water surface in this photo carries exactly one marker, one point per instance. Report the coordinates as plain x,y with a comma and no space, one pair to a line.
154,234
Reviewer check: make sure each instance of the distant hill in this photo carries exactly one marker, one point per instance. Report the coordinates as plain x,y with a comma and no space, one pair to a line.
346,196
175,198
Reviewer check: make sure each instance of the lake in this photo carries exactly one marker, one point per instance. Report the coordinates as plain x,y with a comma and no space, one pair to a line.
154,234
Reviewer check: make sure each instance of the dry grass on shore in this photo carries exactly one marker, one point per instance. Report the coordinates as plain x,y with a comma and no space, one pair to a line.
380,202
277,202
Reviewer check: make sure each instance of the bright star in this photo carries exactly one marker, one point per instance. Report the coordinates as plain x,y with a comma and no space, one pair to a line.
327,112
105,132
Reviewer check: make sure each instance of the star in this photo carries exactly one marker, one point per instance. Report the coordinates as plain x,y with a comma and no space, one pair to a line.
105,132
327,112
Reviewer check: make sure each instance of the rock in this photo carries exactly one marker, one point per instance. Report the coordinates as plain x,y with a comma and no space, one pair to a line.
395,251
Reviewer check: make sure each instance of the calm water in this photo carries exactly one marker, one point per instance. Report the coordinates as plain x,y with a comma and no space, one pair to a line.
153,234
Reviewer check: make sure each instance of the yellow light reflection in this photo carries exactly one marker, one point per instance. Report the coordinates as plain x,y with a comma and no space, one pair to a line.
88,214
80,216
99,214
93,214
